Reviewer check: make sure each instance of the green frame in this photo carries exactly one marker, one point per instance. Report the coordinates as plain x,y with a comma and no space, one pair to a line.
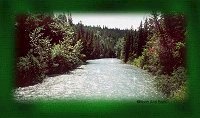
96,108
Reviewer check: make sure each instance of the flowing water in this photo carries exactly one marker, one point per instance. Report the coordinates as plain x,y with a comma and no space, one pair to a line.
107,78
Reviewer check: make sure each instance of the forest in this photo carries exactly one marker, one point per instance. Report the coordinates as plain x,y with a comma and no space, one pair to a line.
49,44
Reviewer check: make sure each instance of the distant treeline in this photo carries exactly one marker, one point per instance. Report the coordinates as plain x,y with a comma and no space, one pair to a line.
97,42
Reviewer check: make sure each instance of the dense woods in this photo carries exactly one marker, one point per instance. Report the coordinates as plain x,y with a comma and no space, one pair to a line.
158,45
49,44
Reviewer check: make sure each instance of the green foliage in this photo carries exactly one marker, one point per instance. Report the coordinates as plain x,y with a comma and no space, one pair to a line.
179,54
43,58
172,33
164,53
61,27
118,47
27,23
40,47
149,59
171,85
32,67
139,62
29,71
179,45
180,94
77,48
98,42
179,74
65,57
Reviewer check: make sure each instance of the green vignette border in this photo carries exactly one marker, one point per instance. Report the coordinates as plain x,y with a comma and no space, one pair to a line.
100,108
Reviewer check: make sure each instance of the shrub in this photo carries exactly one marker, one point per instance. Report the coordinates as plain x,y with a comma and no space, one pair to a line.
65,57
139,62
32,67
61,59
66,54
180,94
149,60
169,85
40,48
29,71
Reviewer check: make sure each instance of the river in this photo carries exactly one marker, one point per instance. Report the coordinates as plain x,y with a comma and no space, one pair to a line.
107,78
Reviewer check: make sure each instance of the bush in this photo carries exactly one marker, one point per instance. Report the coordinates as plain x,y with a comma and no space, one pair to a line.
60,60
139,62
40,48
32,68
180,94
148,61
65,57
29,71
170,85
66,54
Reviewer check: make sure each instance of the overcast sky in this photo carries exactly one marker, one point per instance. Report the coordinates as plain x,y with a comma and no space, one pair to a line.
111,20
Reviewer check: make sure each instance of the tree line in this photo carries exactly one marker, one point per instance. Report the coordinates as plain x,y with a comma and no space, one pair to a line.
158,46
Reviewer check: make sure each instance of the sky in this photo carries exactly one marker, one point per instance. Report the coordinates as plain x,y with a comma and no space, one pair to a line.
111,20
